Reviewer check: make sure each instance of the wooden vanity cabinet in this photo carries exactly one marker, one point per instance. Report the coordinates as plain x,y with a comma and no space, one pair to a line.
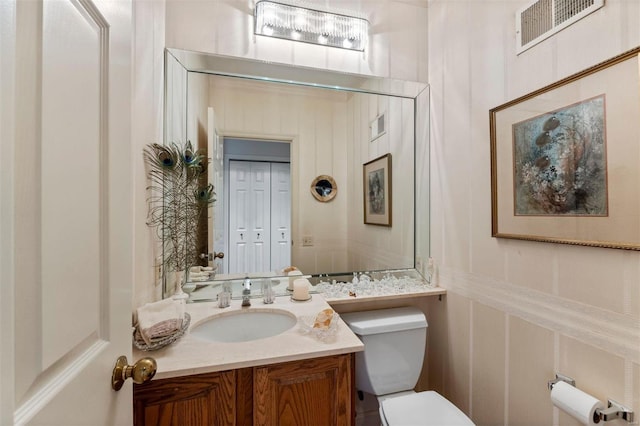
202,399
318,391
311,392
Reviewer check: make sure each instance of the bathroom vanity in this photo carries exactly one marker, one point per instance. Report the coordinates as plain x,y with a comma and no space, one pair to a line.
290,378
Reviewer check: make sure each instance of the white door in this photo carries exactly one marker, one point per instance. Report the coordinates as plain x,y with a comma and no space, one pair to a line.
65,211
216,172
260,217
280,215
249,216
239,199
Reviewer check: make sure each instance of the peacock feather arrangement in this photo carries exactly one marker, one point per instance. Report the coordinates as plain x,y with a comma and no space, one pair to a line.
178,197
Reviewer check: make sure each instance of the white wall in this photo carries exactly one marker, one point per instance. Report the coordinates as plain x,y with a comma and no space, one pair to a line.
373,247
517,312
197,104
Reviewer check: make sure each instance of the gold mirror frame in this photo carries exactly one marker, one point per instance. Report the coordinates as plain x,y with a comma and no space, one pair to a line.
319,192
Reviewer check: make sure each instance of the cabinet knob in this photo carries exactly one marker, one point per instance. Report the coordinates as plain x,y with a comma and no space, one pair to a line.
140,372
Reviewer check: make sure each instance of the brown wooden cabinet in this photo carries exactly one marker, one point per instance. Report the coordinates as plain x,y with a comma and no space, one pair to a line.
312,392
317,391
202,399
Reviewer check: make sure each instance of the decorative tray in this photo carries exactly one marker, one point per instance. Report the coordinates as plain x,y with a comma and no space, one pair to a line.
139,343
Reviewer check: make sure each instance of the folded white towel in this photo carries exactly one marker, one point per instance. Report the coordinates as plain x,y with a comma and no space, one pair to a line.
159,319
200,278
198,274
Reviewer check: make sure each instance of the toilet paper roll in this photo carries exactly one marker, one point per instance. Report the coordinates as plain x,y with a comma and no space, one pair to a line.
576,403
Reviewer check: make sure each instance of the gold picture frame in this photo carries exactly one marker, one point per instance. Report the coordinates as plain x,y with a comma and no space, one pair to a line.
564,159
377,191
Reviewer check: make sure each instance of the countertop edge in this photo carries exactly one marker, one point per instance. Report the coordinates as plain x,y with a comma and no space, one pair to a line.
257,362
437,291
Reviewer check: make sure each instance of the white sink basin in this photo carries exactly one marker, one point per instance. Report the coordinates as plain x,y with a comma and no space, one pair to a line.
244,326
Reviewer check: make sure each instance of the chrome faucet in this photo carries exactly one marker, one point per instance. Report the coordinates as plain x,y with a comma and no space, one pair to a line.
246,292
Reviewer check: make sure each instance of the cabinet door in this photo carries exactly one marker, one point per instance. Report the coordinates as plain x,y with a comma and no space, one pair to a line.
204,399
311,392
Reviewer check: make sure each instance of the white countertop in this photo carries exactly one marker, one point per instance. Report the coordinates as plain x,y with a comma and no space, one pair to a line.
191,355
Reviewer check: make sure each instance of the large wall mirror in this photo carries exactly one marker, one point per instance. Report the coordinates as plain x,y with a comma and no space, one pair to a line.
269,130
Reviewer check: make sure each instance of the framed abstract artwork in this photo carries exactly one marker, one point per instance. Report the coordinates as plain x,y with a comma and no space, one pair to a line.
377,191
565,159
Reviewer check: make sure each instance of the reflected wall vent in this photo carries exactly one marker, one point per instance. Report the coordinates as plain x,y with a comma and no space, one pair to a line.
543,18
378,127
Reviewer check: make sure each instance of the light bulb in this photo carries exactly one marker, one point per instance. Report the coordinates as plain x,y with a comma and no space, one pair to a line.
300,21
329,26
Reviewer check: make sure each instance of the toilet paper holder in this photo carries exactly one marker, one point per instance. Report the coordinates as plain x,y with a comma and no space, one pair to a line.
560,378
614,409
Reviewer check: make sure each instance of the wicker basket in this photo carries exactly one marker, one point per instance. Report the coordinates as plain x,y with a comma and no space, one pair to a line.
139,343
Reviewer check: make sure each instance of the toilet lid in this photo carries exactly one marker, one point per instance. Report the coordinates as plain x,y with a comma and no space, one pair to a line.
425,409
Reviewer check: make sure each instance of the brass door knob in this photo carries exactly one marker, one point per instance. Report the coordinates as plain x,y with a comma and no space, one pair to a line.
140,372
219,255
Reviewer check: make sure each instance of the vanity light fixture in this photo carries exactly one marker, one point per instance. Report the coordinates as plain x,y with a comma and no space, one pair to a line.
297,23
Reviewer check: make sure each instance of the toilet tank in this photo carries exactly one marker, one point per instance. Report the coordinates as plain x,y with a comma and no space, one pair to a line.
394,342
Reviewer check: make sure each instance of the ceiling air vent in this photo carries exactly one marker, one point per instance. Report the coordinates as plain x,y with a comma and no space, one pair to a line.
543,18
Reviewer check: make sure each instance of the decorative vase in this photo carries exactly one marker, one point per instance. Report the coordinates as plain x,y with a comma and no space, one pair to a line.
180,278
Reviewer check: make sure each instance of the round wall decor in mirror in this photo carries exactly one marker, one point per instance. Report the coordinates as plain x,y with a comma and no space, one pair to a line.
324,188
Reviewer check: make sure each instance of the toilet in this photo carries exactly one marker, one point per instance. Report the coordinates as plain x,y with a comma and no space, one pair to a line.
389,367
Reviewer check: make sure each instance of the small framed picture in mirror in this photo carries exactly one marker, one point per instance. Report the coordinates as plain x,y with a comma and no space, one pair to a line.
324,188
377,191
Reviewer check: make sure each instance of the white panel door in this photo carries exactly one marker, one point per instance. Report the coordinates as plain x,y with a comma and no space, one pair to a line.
280,215
249,217
260,217
66,211
239,217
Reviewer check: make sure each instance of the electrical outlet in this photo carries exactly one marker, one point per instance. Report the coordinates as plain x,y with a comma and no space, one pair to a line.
307,241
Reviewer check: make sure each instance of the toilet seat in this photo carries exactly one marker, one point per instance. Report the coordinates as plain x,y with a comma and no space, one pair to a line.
423,408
